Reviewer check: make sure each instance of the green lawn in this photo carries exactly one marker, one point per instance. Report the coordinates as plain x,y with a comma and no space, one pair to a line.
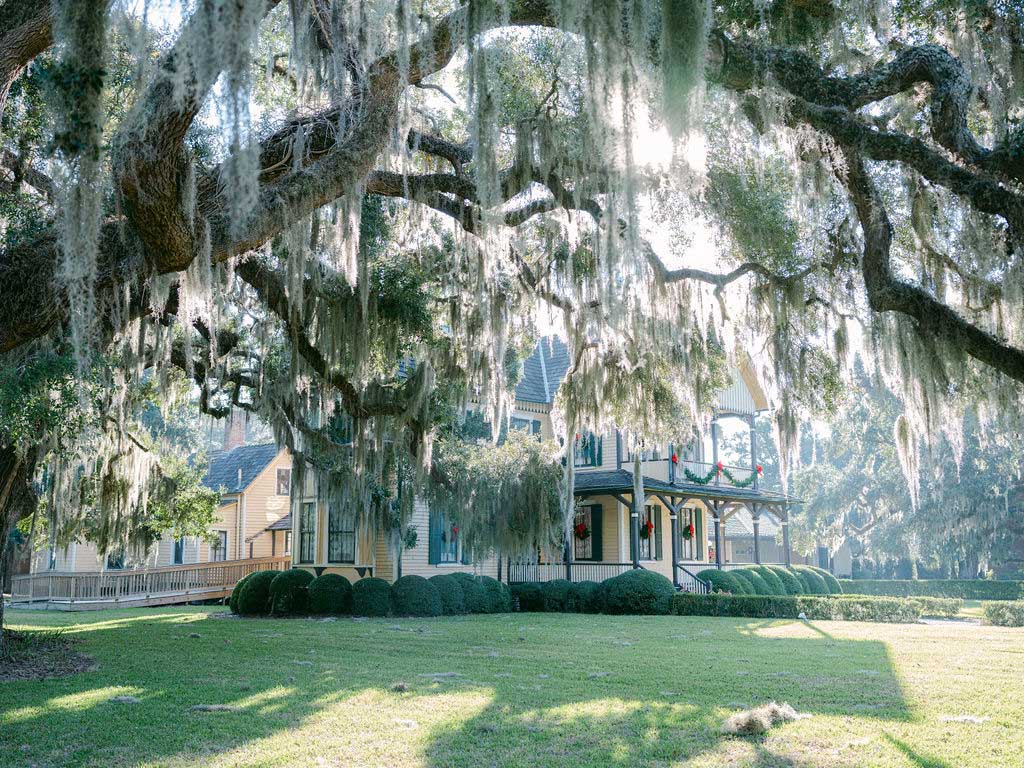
528,690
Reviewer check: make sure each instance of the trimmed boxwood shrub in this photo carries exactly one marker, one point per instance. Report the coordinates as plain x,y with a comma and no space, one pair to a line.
812,581
724,581
288,593
968,589
499,598
1004,613
876,609
371,597
330,593
771,579
528,596
233,599
586,597
757,585
638,592
473,592
453,600
831,582
254,596
415,596
556,595
789,580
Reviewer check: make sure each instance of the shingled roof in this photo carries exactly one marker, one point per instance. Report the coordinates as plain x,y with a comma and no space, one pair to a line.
543,371
223,472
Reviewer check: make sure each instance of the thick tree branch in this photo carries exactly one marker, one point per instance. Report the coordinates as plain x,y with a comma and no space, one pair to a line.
27,31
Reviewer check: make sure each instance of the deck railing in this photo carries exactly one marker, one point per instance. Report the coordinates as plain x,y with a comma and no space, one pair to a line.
151,585
741,477
582,570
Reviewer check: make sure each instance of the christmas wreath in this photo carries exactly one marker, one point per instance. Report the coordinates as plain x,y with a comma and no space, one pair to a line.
646,529
689,532
581,531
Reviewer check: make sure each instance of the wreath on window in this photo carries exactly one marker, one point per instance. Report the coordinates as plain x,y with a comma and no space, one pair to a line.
689,532
581,531
646,529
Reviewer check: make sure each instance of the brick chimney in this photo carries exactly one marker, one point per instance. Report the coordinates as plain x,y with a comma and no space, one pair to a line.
234,430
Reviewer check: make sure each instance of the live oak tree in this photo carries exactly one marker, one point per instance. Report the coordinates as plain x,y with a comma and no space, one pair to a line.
209,200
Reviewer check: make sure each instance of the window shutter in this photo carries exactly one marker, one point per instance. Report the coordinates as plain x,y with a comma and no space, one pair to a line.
596,521
656,512
434,539
698,534
535,426
600,447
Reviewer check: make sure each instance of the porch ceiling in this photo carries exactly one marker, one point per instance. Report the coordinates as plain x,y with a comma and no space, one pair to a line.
621,481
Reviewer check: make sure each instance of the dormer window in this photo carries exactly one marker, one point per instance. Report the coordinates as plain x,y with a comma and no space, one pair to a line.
586,450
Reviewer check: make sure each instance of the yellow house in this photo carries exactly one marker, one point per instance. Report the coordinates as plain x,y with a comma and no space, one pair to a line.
252,521
678,530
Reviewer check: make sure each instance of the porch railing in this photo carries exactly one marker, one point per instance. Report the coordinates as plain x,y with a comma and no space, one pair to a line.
582,570
151,585
741,477
689,581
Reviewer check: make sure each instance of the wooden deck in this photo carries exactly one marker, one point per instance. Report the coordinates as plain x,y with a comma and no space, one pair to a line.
136,588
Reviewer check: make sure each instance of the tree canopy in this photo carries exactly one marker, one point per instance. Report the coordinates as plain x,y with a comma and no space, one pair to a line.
352,218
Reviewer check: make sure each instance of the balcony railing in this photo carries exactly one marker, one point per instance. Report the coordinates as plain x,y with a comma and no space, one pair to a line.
582,570
706,473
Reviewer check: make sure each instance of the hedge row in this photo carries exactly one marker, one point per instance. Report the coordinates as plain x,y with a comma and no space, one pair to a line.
852,608
633,592
930,606
296,592
1004,613
772,580
967,589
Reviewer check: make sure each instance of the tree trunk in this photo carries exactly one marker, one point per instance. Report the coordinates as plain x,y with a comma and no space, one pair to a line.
17,500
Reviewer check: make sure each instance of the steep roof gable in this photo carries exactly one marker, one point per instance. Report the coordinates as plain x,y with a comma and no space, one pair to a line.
223,471
543,371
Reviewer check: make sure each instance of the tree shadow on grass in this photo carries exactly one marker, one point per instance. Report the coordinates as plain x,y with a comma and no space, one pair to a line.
525,689
919,760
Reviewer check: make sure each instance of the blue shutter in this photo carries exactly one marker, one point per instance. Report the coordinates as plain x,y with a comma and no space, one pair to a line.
434,539
656,511
596,523
600,446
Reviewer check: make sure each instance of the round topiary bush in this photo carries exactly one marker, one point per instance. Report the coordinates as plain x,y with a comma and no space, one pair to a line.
556,595
371,597
288,592
415,596
330,593
528,596
831,582
453,600
725,581
756,584
499,598
812,582
233,599
789,580
771,579
473,592
638,592
586,597
254,596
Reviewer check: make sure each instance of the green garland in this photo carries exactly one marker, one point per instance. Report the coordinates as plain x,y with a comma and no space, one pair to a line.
704,480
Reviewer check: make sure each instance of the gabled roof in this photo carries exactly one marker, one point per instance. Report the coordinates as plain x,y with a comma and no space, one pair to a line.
224,465
543,371
741,524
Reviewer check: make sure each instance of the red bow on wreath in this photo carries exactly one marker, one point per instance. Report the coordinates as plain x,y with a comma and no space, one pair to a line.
689,531
675,459
760,469
719,466
645,530
581,531
455,529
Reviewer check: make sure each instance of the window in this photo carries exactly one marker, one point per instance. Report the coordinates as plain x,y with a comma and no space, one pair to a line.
284,482
307,532
115,560
219,548
650,542
445,542
586,533
179,551
341,536
287,542
646,454
688,535
526,425
586,451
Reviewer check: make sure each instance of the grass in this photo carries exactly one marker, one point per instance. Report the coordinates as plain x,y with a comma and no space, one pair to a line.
527,690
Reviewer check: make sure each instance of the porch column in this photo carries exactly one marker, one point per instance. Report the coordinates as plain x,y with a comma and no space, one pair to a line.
718,536
634,532
673,516
785,539
568,557
714,455
753,449
756,517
